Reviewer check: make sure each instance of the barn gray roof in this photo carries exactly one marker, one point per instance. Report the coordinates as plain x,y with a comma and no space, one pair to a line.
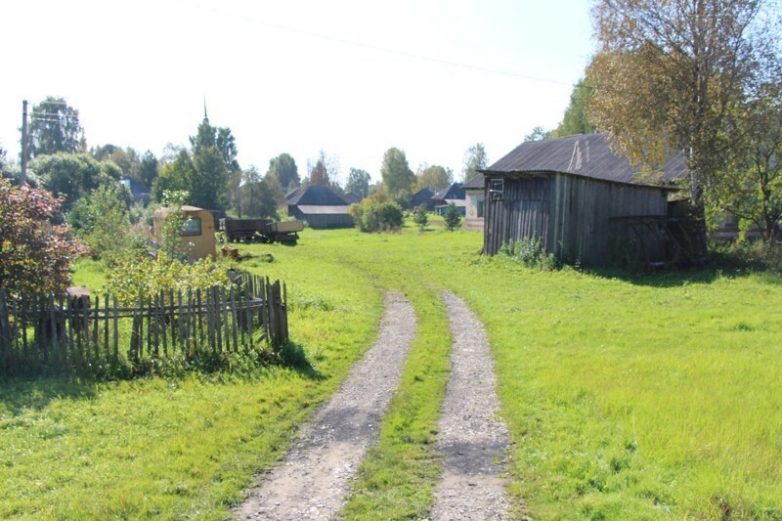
476,182
584,154
317,195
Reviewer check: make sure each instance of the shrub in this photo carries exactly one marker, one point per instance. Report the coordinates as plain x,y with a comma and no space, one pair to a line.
420,217
529,251
452,217
35,253
131,276
377,213
101,219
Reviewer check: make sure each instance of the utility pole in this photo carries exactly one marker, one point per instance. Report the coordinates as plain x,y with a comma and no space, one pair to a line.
24,141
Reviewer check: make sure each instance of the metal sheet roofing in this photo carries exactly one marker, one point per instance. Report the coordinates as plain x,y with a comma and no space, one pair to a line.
587,155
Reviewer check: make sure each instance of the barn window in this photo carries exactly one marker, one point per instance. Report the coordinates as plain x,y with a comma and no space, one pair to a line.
480,208
191,227
496,187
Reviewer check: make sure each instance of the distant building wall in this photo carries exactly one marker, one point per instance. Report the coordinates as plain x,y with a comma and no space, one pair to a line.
475,209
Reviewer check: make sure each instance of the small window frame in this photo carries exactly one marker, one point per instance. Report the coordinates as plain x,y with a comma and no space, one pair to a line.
496,188
188,230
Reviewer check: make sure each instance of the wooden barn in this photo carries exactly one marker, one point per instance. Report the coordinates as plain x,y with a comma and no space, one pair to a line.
319,207
582,201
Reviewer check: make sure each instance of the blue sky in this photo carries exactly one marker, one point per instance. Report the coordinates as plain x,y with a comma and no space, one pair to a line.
350,77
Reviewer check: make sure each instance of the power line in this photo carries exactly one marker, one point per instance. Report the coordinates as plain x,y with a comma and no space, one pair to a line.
396,52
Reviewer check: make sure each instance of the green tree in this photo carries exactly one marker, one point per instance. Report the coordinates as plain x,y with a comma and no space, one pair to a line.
358,183
576,119
377,213
434,177
537,134
750,185
35,253
213,160
474,159
101,220
319,173
672,75
148,169
176,175
283,168
54,127
209,186
259,194
421,218
397,177
126,159
73,175
452,216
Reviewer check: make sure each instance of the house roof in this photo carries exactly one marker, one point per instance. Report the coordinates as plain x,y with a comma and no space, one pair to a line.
293,194
137,189
324,210
474,183
586,155
317,195
455,191
422,196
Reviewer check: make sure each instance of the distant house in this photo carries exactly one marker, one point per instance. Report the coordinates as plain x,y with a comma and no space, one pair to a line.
475,201
453,194
138,191
583,202
319,207
422,197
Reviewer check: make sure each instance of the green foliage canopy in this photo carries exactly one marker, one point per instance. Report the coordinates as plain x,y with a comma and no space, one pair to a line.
358,183
283,169
397,177
474,159
73,175
434,177
54,127
377,213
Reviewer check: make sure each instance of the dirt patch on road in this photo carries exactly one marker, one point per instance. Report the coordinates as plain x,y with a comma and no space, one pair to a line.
472,438
313,480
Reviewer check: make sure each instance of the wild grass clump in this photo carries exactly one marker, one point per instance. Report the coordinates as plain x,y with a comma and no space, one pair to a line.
530,252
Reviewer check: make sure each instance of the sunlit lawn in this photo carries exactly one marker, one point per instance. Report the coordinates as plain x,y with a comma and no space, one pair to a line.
628,397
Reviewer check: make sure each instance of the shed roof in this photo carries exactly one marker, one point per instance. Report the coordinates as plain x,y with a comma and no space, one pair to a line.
474,183
586,155
317,195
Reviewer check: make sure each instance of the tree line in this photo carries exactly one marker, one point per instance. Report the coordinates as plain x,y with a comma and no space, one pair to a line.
701,77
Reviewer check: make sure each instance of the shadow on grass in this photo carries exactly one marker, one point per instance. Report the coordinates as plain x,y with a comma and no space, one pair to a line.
18,394
720,264
292,355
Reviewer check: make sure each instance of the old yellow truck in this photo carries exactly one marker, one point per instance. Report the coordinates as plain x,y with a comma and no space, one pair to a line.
197,234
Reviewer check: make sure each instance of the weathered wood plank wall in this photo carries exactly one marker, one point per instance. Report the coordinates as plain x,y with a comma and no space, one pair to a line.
570,214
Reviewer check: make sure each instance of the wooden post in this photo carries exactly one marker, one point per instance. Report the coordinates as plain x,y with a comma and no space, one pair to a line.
5,343
218,321
116,330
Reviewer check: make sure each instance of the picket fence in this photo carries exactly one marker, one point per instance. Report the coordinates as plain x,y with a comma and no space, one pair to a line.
48,333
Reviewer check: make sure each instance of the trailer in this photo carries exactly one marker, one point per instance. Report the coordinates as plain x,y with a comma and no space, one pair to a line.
261,230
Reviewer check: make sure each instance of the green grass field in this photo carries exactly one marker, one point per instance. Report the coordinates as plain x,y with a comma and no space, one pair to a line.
628,397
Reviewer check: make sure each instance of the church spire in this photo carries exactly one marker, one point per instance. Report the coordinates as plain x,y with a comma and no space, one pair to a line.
206,118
